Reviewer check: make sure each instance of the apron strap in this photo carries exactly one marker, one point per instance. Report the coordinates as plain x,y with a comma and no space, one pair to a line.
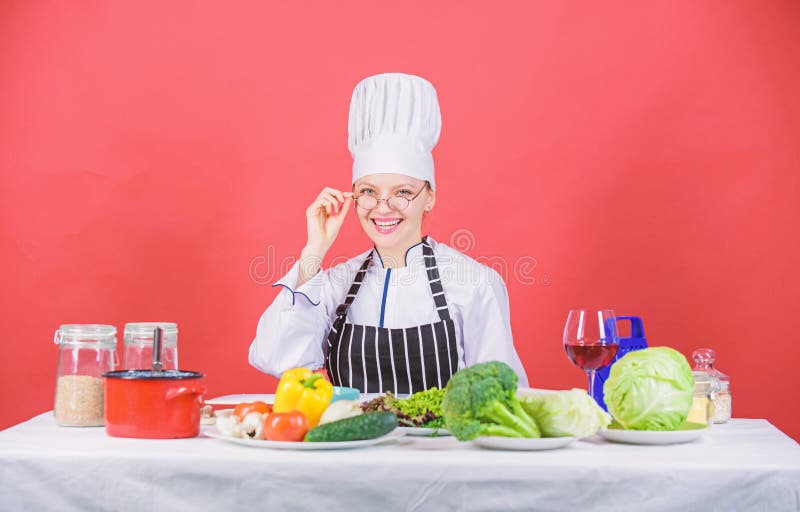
434,280
341,309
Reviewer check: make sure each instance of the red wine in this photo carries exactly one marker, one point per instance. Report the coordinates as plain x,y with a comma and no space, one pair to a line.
590,357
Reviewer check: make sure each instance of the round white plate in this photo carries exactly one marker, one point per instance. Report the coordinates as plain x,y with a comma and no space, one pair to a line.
270,398
652,436
522,443
425,431
240,399
288,445
366,397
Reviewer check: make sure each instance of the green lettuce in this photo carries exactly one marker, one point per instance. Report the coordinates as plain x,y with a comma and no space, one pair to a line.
650,389
422,409
564,413
422,402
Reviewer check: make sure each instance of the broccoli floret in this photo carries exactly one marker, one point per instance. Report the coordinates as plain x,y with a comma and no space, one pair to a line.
482,400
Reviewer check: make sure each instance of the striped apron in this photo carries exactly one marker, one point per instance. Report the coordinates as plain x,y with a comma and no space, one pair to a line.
377,359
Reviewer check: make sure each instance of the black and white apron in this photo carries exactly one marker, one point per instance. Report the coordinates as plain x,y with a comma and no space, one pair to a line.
377,359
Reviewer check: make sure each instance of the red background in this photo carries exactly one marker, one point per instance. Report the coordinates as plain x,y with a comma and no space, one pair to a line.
644,153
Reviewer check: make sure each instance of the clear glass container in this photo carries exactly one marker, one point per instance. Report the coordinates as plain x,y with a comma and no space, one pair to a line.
85,352
704,359
138,351
702,410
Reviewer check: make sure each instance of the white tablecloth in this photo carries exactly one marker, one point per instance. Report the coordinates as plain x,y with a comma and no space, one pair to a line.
745,465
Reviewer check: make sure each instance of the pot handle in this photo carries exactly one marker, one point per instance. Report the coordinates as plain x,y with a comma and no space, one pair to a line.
173,393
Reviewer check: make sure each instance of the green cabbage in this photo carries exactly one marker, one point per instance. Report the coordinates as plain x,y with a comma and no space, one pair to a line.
650,389
564,413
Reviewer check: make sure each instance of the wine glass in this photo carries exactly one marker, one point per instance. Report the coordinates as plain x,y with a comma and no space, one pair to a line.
591,340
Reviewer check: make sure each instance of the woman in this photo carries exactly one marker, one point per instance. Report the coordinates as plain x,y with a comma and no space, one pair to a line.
407,314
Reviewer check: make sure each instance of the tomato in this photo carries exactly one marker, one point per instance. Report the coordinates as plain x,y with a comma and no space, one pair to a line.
242,410
286,426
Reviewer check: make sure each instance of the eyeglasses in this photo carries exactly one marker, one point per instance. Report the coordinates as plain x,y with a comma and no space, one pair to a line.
396,203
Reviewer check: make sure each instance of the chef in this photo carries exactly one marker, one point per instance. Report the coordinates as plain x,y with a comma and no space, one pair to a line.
405,315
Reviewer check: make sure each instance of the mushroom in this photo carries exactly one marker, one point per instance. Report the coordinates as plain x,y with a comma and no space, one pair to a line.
228,423
253,426
207,416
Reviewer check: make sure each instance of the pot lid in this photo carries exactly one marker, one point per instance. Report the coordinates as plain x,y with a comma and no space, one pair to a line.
153,375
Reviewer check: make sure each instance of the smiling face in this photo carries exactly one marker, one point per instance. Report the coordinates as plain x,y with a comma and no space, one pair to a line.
391,230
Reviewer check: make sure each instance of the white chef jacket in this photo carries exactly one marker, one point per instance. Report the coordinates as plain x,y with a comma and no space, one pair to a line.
293,330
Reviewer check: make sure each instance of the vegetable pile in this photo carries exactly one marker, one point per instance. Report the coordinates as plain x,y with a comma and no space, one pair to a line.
303,412
650,389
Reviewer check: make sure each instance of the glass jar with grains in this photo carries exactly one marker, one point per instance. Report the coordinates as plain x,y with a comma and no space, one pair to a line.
702,410
704,359
85,352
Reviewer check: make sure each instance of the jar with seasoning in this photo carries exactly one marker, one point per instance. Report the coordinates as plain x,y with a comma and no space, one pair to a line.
702,410
85,352
704,359
138,350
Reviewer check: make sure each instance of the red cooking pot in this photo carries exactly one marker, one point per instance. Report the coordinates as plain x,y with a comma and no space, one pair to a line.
153,404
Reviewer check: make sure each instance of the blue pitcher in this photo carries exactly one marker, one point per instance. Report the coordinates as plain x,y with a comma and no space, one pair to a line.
636,341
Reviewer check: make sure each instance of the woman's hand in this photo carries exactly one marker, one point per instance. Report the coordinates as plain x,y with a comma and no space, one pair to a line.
324,218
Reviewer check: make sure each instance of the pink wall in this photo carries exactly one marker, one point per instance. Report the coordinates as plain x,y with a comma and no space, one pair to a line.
645,155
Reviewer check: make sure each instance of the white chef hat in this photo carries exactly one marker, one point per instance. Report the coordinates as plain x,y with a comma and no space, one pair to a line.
394,125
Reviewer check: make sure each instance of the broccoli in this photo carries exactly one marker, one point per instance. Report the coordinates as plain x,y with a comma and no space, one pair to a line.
482,400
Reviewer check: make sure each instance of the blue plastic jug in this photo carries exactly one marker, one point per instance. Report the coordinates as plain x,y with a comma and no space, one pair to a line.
636,341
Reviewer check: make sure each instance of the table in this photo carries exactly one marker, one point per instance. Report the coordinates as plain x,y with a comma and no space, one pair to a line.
744,465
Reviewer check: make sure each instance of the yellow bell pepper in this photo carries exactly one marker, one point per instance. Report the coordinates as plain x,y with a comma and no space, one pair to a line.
302,390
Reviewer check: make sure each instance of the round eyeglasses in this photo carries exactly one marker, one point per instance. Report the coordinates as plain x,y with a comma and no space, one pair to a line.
396,203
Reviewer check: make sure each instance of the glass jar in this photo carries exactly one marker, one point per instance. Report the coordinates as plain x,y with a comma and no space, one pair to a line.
702,410
138,350
85,352
704,359
723,403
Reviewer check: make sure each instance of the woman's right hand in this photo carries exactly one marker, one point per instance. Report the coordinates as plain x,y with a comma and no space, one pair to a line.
324,218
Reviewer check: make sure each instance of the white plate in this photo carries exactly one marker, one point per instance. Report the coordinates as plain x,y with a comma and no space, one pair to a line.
366,397
425,431
240,399
270,398
523,443
651,436
536,391
288,445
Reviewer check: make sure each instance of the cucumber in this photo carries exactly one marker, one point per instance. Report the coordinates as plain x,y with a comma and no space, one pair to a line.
356,428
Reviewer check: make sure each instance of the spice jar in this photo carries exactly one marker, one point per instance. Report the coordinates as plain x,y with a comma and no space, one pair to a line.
702,410
85,352
723,402
138,349
704,359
